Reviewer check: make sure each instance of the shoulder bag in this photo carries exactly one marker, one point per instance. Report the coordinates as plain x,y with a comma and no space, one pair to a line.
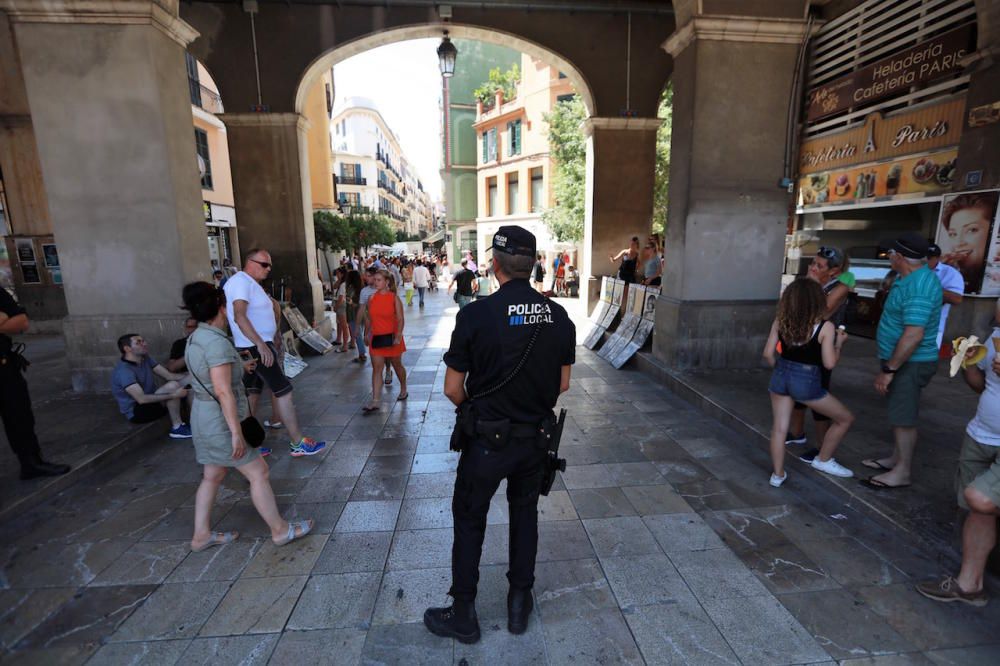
253,431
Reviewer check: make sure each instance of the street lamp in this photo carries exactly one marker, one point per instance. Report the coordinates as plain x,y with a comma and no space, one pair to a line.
446,56
345,209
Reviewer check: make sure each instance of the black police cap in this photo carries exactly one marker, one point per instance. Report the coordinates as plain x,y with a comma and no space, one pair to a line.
512,239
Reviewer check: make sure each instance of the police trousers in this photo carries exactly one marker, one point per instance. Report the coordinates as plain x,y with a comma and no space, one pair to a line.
15,410
480,471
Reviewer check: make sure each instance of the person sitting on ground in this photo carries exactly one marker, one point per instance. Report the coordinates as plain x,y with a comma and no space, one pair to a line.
808,342
977,483
134,387
175,363
221,405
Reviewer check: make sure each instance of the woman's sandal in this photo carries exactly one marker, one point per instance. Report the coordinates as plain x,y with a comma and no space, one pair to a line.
403,397
303,527
368,409
217,539
872,463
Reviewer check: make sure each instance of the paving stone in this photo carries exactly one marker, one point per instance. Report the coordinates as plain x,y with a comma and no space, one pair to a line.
379,487
409,644
419,514
563,588
235,650
336,601
980,655
63,565
323,514
255,606
744,529
711,495
73,655
613,537
145,563
434,463
219,563
88,617
562,540
716,574
850,563
162,653
656,500
399,464
433,443
327,647
908,659
420,549
676,533
376,516
172,611
440,484
703,447
23,610
784,568
679,632
843,625
635,474
761,631
644,579
327,489
143,513
341,465
800,523
601,503
395,446
405,595
498,647
588,476
348,552
243,518
595,636
294,559
680,471
557,505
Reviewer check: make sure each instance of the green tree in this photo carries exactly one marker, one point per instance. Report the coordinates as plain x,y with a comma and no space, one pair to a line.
505,81
661,180
568,147
332,231
369,229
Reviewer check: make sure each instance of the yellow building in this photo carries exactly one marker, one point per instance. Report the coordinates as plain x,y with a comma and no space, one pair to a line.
514,167
318,111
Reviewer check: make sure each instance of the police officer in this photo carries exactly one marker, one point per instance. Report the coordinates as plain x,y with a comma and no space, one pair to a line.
511,355
15,404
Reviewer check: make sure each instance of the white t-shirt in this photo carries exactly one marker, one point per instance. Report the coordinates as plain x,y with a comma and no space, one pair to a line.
951,280
985,427
366,293
260,312
421,276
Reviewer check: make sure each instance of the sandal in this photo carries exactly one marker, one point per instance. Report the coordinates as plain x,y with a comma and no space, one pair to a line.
872,463
217,539
875,484
303,527
368,409
403,397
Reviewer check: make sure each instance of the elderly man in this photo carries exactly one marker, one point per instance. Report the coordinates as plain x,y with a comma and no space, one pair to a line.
255,334
908,353
977,484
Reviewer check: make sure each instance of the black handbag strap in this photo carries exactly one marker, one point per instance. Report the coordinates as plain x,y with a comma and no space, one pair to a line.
202,384
520,364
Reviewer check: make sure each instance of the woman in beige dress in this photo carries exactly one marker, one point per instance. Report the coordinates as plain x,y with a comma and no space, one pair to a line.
220,403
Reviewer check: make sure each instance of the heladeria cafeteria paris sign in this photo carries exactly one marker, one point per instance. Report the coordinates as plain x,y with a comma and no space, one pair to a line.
923,62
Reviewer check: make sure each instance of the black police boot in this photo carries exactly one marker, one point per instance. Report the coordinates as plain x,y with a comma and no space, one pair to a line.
458,621
37,468
519,605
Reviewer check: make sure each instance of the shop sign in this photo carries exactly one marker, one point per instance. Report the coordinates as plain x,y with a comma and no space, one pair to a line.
894,75
206,209
969,235
929,128
919,175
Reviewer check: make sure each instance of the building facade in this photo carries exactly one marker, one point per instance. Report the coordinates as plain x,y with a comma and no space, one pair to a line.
369,166
514,171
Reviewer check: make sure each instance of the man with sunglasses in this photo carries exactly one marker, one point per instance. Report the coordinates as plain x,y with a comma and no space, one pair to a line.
255,334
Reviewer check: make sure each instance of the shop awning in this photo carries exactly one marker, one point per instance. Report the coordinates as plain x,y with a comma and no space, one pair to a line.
435,237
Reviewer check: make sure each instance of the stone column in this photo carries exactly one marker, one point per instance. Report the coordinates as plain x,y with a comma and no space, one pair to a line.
621,163
727,218
270,164
111,113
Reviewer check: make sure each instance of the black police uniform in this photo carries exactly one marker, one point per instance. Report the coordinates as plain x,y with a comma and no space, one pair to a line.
15,403
489,340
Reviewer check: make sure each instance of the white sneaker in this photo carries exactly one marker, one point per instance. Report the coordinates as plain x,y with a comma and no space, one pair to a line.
273,424
832,467
776,480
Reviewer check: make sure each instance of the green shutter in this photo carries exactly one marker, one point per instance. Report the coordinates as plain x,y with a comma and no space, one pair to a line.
486,152
517,136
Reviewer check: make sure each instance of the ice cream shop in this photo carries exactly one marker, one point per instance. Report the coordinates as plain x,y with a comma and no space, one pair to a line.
883,115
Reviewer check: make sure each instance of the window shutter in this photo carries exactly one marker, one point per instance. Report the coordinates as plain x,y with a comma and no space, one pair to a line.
357,171
517,132
486,154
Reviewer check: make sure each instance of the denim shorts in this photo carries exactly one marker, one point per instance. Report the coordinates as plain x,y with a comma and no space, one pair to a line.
799,381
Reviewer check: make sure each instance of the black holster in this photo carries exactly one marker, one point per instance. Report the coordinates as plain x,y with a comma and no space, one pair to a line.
465,427
549,434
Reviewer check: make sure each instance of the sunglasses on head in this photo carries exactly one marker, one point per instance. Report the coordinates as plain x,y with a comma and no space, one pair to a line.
265,264
827,252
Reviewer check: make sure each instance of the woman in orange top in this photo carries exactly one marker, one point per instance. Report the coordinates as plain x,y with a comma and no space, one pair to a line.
384,317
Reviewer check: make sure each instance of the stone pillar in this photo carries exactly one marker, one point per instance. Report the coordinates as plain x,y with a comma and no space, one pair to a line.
270,164
111,113
727,218
621,163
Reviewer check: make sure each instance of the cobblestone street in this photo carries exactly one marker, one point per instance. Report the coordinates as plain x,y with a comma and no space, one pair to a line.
662,543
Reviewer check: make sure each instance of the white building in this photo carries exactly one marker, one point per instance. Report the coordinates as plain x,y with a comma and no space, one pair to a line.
369,166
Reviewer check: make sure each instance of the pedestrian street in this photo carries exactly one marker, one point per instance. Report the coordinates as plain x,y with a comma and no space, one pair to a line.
661,543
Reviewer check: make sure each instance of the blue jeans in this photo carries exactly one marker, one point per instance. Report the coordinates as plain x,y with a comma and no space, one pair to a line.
800,381
464,300
420,293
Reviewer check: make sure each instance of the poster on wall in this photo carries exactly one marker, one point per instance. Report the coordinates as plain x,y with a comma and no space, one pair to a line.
969,237
25,250
30,274
51,255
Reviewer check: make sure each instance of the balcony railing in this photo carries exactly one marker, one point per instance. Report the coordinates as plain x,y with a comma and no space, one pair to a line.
207,99
351,180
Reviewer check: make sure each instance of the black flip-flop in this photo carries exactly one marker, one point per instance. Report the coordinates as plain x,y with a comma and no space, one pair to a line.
872,463
367,409
875,484
403,397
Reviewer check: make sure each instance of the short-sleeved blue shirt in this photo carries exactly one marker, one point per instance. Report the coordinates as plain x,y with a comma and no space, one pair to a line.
914,300
127,373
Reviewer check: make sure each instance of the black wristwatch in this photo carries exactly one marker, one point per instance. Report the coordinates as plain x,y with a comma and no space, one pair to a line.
887,370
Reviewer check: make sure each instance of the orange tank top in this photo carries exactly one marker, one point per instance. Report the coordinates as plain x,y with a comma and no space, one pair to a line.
382,311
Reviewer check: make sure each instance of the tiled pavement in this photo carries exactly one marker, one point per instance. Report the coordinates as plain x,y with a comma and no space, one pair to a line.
661,543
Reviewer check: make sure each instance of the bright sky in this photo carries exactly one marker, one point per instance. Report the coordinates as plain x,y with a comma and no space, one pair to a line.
404,82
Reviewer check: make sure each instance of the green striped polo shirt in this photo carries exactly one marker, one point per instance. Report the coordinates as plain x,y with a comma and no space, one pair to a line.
914,300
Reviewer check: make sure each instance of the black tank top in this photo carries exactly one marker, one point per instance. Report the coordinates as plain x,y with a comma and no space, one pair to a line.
626,271
811,353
